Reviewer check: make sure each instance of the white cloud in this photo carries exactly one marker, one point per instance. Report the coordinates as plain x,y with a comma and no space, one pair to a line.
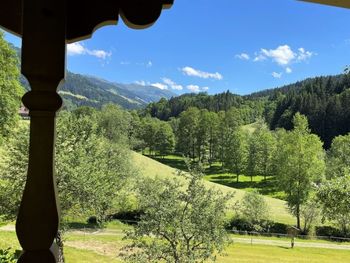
284,55
141,83
79,49
99,53
276,75
259,58
172,84
196,88
201,74
243,56
193,88
159,86
166,84
149,64
288,70
304,55
75,49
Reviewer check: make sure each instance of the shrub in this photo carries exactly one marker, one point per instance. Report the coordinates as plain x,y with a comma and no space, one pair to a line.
278,228
263,226
254,207
328,231
128,217
7,256
92,220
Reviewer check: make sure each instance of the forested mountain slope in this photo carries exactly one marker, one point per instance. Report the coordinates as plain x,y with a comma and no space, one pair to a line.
324,100
166,109
82,90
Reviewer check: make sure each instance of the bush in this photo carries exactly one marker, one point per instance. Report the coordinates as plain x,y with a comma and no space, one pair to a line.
278,228
128,217
240,224
264,226
92,220
328,231
254,207
7,256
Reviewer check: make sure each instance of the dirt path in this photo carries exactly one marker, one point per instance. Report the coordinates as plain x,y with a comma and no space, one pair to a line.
253,241
287,243
10,228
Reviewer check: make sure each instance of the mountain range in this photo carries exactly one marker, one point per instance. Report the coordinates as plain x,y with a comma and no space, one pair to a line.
82,90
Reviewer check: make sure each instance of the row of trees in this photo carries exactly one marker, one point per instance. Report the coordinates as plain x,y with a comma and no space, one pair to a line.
209,137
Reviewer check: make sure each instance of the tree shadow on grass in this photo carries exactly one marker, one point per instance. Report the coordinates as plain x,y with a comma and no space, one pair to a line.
220,175
176,163
83,226
215,169
264,187
288,248
222,178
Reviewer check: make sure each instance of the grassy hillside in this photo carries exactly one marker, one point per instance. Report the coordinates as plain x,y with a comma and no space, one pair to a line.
151,168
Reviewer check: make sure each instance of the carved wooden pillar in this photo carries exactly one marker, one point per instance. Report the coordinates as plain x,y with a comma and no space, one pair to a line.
45,27
43,64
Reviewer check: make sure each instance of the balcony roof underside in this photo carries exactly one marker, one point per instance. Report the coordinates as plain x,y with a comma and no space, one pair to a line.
82,19
340,3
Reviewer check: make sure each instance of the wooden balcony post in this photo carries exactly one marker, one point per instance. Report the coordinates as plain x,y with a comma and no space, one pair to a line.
43,64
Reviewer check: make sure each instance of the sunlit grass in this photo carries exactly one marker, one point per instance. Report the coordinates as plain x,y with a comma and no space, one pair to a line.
104,246
270,254
152,168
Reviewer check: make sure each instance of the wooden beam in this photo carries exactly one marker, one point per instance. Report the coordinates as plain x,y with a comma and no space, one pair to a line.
339,3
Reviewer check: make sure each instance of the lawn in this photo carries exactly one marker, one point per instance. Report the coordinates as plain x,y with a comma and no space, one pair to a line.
152,168
81,251
269,254
104,247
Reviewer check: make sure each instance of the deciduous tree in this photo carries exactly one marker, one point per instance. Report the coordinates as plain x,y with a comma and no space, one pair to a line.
338,157
181,222
10,88
237,153
300,164
334,196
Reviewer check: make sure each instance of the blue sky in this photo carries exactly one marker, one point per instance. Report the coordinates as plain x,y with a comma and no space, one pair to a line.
218,45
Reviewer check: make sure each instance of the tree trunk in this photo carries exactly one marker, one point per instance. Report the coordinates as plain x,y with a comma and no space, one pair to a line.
298,216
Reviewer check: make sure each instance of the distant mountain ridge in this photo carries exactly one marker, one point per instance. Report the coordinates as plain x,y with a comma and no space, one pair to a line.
82,90
86,90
